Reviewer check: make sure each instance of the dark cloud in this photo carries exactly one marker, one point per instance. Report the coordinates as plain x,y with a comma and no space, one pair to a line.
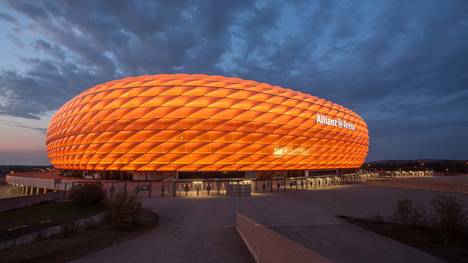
401,65
50,49
8,18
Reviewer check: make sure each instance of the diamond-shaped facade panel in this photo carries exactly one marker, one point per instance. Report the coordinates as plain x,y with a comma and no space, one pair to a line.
184,122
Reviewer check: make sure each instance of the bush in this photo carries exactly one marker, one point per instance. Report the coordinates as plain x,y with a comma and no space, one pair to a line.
450,218
87,194
422,217
15,190
379,218
123,209
406,214
403,212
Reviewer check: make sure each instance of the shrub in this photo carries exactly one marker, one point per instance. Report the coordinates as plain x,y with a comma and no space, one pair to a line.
422,217
403,212
123,209
15,190
406,214
379,218
87,194
450,218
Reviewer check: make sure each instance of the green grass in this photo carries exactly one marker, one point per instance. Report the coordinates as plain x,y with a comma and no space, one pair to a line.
33,218
76,244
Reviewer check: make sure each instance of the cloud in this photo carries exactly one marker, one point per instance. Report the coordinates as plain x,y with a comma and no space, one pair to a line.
21,125
8,18
401,65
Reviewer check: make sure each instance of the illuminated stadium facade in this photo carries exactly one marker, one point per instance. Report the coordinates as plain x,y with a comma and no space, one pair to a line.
162,124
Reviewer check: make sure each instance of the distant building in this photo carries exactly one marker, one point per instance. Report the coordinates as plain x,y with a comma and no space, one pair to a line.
197,125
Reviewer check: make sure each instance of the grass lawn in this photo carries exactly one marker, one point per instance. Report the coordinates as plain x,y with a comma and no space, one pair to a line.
77,244
21,221
425,239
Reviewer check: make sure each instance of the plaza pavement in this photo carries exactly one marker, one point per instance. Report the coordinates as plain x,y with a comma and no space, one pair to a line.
203,229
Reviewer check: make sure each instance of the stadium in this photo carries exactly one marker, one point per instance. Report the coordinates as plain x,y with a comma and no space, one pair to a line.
195,126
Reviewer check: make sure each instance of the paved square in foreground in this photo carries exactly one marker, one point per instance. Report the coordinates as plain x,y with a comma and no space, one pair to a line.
203,229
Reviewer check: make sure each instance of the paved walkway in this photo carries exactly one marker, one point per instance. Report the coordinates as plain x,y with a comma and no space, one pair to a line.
202,230
190,230
310,219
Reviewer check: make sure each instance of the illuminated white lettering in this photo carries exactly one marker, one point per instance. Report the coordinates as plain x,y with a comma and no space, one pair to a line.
322,119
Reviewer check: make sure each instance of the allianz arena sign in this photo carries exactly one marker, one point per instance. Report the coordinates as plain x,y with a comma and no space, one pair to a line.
322,119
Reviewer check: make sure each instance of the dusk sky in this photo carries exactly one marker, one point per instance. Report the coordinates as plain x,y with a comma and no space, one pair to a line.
401,65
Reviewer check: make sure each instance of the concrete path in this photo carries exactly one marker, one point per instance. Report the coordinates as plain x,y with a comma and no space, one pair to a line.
309,218
202,230
190,230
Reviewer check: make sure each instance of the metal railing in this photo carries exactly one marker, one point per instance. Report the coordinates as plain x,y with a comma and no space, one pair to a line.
213,187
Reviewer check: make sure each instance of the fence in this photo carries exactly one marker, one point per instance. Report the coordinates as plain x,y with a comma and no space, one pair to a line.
216,187
212,187
404,174
174,188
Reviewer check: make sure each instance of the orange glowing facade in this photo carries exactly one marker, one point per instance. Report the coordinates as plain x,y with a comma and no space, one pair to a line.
183,122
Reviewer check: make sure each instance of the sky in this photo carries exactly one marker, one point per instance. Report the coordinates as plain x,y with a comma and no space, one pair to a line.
401,65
